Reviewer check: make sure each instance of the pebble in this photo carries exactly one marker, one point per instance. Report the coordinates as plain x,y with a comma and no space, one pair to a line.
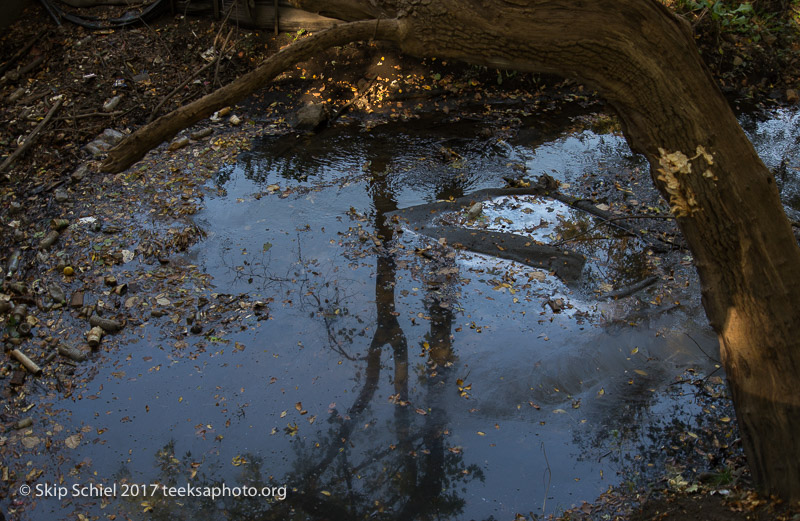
178,143
61,196
111,104
200,134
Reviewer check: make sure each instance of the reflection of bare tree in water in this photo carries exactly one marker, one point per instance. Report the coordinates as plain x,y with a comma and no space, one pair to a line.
350,474
417,471
314,287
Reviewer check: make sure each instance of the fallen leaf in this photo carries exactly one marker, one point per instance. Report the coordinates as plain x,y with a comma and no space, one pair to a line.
73,441
30,442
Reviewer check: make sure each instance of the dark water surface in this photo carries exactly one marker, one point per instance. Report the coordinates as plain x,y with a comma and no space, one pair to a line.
395,378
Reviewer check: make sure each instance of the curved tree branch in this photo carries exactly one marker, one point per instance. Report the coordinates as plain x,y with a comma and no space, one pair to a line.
135,146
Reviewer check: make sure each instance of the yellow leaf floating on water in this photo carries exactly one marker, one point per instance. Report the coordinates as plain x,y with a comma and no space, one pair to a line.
601,392
325,493
420,411
238,460
481,433
146,506
634,350
640,372
33,475
725,419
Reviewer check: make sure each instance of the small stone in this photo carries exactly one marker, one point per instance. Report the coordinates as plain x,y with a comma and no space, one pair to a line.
142,77
30,442
23,424
17,94
178,143
111,136
76,301
98,147
61,196
18,378
111,104
200,134
474,211
56,293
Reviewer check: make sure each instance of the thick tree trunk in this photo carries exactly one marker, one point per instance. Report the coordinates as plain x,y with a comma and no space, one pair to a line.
643,60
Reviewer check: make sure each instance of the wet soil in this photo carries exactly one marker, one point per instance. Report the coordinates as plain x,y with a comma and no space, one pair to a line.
139,251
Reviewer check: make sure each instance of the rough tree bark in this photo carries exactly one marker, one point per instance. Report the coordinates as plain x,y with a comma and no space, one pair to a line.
643,60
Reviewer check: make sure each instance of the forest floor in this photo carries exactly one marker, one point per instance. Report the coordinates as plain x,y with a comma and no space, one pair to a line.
77,83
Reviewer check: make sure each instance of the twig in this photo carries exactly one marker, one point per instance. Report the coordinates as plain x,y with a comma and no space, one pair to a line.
11,61
198,71
225,43
587,206
32,136
221,52
32,65
92,115
33,97
607,221
276,17
16,75
701,349
179,87
350,103
629,290
549,473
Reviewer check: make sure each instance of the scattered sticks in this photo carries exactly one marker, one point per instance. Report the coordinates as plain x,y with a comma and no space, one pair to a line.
32,136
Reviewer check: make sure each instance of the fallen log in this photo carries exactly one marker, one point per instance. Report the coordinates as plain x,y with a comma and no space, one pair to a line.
566,265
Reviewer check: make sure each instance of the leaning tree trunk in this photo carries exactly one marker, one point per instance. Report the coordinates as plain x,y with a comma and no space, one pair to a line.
643,60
